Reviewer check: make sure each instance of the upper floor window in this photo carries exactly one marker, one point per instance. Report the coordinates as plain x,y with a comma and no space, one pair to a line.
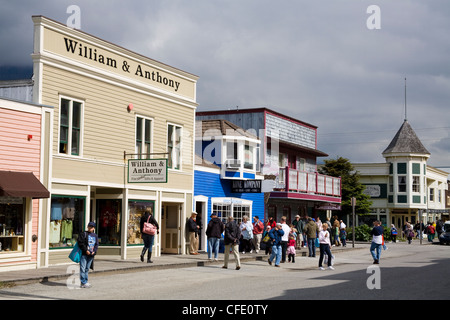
401,183
416,184
70,122
174,146
248,156
143,137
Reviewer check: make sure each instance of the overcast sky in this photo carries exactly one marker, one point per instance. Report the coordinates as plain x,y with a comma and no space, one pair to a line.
317,61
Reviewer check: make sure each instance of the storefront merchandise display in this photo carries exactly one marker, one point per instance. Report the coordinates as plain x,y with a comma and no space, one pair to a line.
11,224
66,220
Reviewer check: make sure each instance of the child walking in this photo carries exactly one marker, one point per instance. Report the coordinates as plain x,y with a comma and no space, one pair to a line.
291,248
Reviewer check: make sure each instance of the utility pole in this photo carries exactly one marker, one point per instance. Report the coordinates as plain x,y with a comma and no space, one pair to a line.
354,220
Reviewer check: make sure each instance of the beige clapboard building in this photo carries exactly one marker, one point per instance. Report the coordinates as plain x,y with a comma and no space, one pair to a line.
123,141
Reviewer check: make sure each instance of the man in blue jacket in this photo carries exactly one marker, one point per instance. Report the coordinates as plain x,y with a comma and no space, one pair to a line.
377,241
276,235
88,243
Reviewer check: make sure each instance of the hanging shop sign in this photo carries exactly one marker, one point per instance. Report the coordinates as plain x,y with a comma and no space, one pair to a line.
147,171
246,186
328,206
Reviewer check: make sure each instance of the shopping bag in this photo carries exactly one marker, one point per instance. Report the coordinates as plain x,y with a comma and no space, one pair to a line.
317,243
325,259
75,254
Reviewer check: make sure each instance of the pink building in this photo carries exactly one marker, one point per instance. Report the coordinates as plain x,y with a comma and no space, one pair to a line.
25,147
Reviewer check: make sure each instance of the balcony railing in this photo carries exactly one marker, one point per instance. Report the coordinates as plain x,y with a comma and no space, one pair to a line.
292,180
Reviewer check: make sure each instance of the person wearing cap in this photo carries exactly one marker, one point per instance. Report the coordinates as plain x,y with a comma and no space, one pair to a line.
88,243
214,233
193,229
258,229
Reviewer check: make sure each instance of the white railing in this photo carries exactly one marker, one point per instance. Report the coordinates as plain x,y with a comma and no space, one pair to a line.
309,182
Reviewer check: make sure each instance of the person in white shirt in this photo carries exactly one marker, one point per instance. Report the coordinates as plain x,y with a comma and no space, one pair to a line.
325,244
284,238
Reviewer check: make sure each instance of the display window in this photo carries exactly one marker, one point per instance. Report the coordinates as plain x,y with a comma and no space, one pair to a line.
225,207
12,212
66,220
136,209
109,221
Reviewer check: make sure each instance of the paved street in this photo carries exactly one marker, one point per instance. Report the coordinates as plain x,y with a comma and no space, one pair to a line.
405,272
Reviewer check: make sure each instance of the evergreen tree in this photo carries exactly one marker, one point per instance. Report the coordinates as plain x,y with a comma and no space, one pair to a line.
351,187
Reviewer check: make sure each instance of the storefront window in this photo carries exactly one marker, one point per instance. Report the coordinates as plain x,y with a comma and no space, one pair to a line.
225,208
66,220
136,209
11,224
108,221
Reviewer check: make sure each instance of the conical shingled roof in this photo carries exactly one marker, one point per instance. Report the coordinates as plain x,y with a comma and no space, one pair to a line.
406,141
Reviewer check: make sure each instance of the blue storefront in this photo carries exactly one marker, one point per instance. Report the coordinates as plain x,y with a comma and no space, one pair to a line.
226,179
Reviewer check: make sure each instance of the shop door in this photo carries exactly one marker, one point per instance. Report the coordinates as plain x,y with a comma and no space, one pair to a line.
170,228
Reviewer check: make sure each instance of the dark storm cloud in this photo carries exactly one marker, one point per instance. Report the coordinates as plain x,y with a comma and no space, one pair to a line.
313,60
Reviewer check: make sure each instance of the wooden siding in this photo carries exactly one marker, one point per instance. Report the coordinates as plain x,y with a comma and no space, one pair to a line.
16,152
109,129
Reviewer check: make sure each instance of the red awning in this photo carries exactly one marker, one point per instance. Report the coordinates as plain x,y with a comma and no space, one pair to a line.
21,184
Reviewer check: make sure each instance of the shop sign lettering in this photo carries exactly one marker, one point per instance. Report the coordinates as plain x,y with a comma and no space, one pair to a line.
147,170
93,55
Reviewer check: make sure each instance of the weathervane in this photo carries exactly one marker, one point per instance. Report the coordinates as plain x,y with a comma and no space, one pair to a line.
406,118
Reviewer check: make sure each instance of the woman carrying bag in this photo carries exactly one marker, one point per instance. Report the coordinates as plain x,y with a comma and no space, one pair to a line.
148,238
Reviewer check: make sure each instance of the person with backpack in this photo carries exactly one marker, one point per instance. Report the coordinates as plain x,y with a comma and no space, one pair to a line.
394,233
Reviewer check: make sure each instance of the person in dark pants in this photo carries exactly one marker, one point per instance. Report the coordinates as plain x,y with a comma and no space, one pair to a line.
325,244
88,243
148,239
311,231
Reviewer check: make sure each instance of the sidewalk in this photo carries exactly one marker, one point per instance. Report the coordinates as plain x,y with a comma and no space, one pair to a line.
114,265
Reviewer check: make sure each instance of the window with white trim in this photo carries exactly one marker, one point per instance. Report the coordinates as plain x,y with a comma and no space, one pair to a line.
174,146
225,207
70,126
143,137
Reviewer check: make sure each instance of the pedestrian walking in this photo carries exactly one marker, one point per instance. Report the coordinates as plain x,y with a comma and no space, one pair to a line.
214,232
430,232
298,225
193,229
409,232
148,239
284,238
267,241
88,243
291,247
325,245
258,229
231,240
276,235
377,241
394,233
311,231
336,230
247,235
343,236
439,228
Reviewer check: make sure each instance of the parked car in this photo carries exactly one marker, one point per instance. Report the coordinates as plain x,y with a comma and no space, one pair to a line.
445,236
